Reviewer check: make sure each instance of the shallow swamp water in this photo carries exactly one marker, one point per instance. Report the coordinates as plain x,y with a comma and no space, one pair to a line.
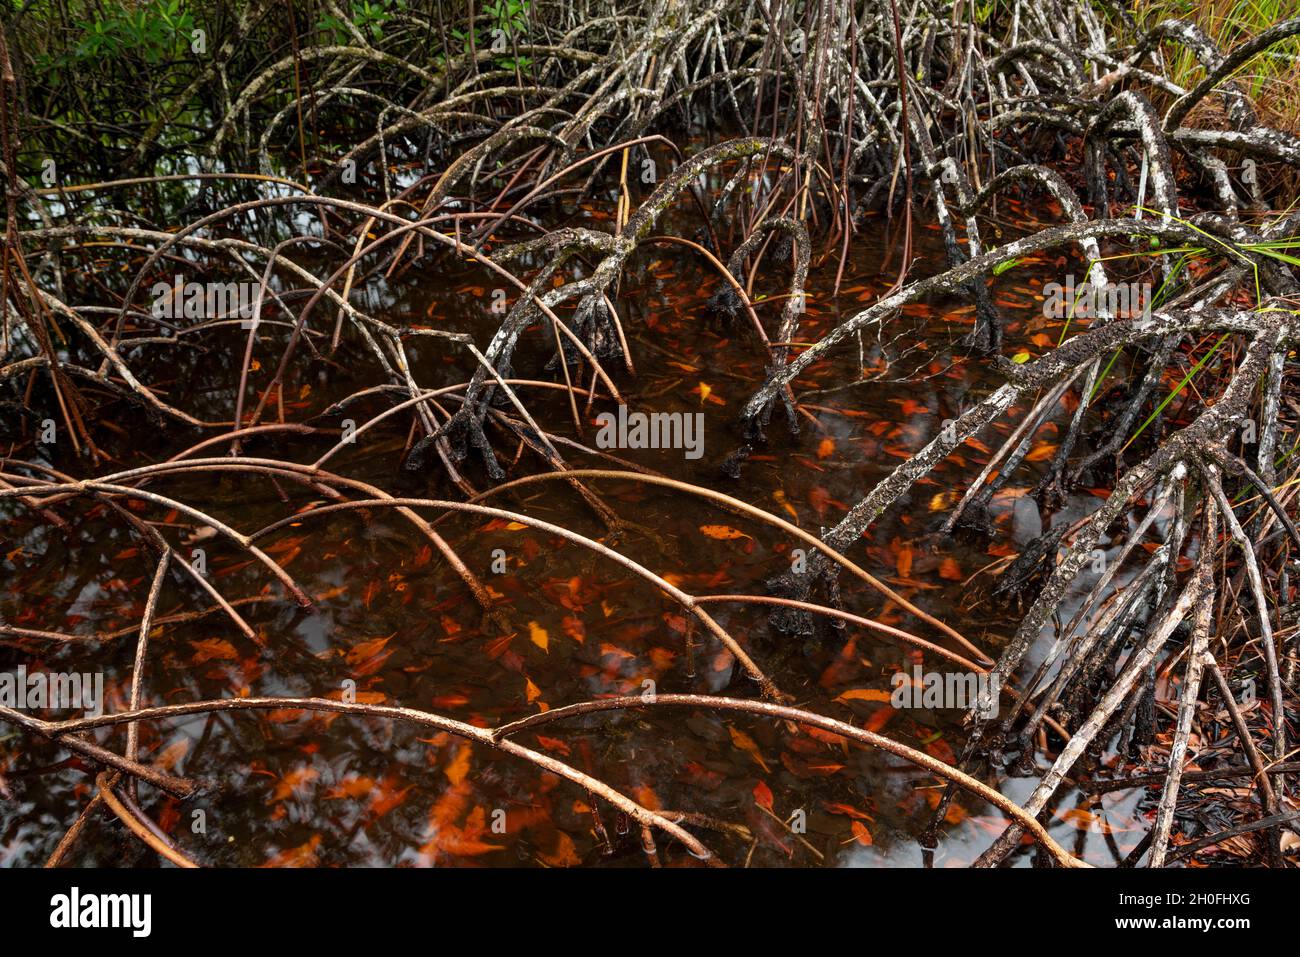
293,788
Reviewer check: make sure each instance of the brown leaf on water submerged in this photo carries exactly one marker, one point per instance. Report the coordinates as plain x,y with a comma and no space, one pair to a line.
388,796
879,718
825,448
285,715
910,407
367,657
745,743
842,669
819,499
497,647
304,855
849,810
330,593
553,744
208,649
360,697
701,776
723,533
903,561
351,788
171,756
532,692
950,570
824,736
500,524
451,701
463,841
573,627
293,784
1083,820
942,501
808,769
860,833
779,495
459,766
863,694
285,545
564,855
705,392
937,747
572,593
955,813
1042,453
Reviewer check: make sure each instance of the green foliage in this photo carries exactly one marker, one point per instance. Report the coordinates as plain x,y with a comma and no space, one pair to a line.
508,15
507,19
152,32
369,19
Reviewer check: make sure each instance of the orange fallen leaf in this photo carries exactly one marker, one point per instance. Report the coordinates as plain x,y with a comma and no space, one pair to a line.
745,743
369,653
904,561
353,787
172,754
295,782
303,855
863,694
209,648
564,855
723,533
574,629
1042,453
860,833
459,766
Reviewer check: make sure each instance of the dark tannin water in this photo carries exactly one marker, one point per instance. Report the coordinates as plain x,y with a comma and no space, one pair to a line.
295,788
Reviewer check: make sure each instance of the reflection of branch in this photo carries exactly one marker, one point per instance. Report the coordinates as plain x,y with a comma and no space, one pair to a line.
498,738
175,786
486,736
800,716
